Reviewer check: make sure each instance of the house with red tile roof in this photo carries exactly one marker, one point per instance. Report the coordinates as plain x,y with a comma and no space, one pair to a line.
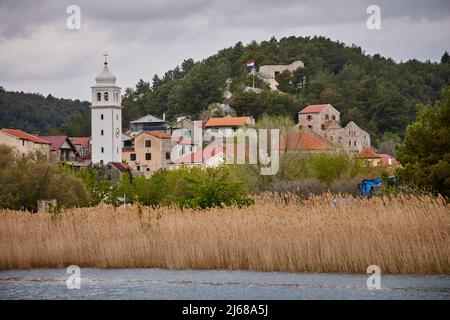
117,169
324,120
83,146
23,142
151,152
376,159
61,149
225,127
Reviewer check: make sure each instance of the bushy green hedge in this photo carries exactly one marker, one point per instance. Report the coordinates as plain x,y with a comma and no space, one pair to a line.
183,187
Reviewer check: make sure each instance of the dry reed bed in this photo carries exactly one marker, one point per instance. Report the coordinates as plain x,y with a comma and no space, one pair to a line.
401,235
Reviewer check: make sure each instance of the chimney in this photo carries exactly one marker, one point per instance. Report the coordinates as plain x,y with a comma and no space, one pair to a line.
164,116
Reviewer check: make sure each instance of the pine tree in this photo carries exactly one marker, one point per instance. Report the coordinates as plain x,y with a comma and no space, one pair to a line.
445,58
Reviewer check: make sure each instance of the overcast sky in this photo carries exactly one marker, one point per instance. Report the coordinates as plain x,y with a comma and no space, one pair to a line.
39,54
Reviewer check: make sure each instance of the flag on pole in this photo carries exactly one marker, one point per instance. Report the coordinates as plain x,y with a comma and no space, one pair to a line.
250,63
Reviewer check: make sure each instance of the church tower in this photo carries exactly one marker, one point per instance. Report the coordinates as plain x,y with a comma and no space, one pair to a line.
106,119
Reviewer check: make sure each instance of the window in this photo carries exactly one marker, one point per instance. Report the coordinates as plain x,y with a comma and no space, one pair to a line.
99,96
101,132
148,143
147,169
167,155
117,150
103,149
327,117
138,168
333,117
106,96
309,117
117,117
310,126
215,129
322,126
23,142
182,150
148,156
187,133
354,143
133,157
364,137
349,143
101,117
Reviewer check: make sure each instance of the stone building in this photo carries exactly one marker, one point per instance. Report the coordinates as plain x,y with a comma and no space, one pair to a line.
324,120
151,151
24,143
271,71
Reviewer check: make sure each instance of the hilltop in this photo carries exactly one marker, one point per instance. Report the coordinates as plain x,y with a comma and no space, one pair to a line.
378,93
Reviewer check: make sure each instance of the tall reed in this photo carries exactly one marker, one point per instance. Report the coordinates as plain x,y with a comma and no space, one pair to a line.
401,235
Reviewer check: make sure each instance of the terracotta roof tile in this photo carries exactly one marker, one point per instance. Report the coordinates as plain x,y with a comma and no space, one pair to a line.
82,141
314,108
368,153
304,141
25,136
121,166
159,134
227,122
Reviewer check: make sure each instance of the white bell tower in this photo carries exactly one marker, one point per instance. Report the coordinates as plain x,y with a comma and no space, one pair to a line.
106,118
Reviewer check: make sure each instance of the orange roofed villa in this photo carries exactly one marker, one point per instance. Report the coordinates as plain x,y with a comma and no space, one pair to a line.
24,143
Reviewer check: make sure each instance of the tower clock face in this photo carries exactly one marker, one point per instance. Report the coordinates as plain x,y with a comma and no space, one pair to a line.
117,132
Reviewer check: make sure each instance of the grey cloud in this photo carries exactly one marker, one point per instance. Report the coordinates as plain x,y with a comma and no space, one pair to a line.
147,37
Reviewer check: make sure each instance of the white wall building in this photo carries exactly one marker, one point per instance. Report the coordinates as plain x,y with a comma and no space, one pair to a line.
106,122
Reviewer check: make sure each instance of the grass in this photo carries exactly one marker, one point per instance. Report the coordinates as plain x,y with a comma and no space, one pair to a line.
401,235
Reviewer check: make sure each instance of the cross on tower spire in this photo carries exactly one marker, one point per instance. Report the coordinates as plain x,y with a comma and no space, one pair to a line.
105,55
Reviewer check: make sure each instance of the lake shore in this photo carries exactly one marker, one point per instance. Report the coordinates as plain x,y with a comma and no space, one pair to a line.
401,235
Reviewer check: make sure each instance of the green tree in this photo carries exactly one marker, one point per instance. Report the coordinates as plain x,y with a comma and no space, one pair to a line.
425,154
26,179
445,58
284,80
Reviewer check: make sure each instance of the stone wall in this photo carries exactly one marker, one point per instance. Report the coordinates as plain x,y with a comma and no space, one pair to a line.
270,71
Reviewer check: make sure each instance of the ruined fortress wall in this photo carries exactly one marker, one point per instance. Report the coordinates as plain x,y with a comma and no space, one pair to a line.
271,70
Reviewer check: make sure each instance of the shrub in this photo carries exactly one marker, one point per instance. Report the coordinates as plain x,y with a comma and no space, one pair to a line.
26,179
186,188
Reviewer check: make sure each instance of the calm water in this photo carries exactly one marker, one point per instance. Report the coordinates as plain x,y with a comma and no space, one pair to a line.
205,284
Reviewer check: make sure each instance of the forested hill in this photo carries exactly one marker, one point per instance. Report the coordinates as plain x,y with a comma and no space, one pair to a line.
46,115
376,92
